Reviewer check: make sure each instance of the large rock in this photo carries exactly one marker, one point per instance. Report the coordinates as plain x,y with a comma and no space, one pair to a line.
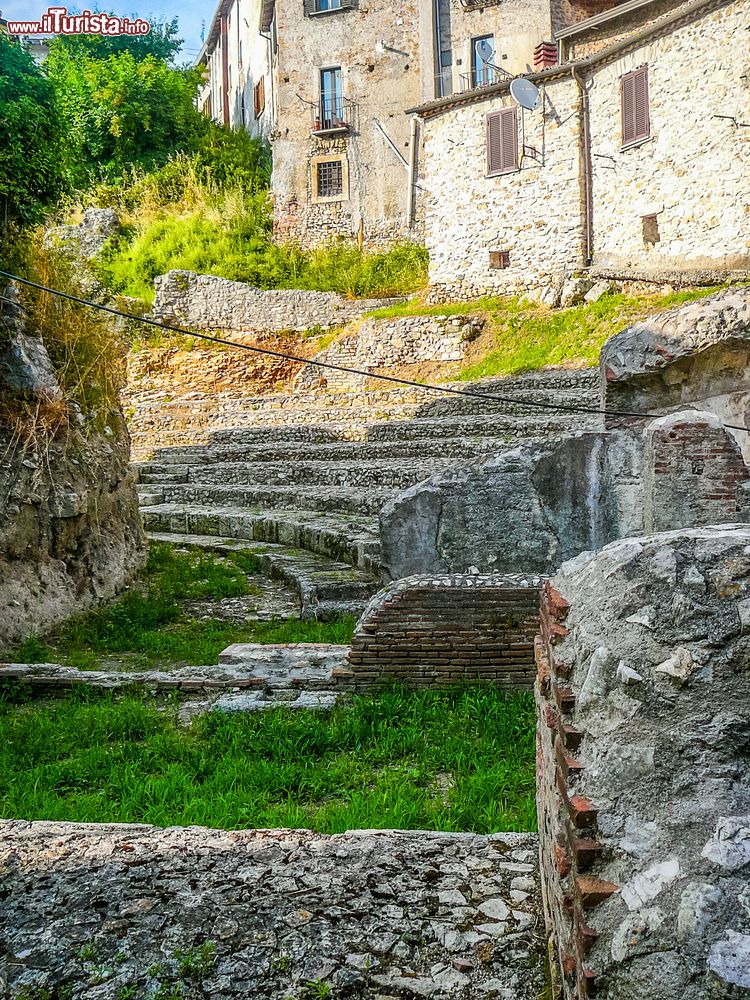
697,354
70,533
89,237
644,770
524,510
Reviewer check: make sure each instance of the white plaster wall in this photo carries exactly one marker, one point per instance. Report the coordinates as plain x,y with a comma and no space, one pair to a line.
694,172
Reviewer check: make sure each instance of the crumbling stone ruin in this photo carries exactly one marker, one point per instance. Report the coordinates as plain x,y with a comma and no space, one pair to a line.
70,535
643,767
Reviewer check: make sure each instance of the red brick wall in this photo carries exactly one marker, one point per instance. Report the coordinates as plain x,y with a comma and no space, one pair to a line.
569,848
430,632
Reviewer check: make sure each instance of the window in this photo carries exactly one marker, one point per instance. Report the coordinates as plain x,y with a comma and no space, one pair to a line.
259,97
330,179
502,142
326,6
483,60
650,226
499,259
322,5
331,98
636,125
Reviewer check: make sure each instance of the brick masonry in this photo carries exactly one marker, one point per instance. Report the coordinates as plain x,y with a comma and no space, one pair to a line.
642,771
430,631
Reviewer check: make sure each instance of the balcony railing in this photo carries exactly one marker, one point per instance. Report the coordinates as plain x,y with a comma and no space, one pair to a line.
444,83
479,4
483,76
332,117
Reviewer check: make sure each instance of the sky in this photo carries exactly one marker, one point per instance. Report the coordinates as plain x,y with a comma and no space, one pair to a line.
190,13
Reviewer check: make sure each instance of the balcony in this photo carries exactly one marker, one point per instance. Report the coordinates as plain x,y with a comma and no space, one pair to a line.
479,4
333,118
483,76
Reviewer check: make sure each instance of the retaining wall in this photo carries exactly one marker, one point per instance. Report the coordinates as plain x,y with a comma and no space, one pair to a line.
207,302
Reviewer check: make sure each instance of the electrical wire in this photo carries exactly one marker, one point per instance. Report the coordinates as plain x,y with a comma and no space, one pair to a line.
329,365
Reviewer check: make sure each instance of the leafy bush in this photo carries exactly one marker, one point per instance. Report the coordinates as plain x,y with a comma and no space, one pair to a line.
31,175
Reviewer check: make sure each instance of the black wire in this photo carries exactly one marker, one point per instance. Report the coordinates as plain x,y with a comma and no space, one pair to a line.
471,393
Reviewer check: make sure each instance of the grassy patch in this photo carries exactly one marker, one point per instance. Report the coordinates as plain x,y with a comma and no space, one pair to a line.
148,623
193,223
461,759
527,337
522,336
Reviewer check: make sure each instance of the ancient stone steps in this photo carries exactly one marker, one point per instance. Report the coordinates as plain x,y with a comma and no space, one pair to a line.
387,473
326,589
254,499
344,538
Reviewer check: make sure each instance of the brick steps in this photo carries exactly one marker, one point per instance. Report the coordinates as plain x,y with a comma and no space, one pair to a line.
326,589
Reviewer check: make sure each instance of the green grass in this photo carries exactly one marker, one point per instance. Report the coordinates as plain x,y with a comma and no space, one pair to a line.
381,762
149,625
527,336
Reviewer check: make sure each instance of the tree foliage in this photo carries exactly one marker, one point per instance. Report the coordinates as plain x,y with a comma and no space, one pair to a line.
31,174
121,111
161,42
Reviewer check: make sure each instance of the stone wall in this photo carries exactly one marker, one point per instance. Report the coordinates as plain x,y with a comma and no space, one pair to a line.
692,173
386,343
378,51
687,180
207,302
70,534
435,631
643,777
534,506
533,213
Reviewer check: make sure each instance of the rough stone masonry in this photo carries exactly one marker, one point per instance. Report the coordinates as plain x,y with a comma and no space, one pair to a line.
644,767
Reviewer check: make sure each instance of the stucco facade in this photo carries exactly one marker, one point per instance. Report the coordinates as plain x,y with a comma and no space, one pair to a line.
674,205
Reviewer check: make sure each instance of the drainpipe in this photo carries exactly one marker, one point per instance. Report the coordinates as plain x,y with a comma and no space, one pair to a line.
411,188
586,180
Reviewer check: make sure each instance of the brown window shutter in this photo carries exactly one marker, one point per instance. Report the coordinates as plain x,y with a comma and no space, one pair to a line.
502,141
636,124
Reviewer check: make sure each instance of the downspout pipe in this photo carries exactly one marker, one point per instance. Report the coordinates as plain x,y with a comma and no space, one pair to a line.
411,189
587,194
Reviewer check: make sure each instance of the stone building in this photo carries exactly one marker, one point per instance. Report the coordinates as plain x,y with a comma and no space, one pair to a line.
634,166
237,57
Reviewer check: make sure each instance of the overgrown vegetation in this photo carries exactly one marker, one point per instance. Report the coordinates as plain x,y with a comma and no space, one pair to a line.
205,215
461,759
150,626
522,336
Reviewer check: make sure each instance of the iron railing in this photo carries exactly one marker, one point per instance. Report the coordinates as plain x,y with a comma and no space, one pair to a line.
479,4
333,116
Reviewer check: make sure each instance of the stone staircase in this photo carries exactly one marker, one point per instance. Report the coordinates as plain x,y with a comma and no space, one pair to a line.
300,479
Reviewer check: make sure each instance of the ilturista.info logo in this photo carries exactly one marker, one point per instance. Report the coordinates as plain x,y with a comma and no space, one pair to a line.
57,21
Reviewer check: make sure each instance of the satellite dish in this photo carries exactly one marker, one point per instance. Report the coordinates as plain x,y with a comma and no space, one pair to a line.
525,93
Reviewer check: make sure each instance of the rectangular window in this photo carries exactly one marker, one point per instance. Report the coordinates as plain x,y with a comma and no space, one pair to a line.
502,142
259,97
330,181
322,5
331,98
636,124
326,6
499,259
483,61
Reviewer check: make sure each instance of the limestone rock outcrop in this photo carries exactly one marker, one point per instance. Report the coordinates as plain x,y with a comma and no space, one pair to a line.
70,534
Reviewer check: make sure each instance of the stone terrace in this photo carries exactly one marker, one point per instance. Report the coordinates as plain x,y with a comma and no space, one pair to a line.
113,911
302,477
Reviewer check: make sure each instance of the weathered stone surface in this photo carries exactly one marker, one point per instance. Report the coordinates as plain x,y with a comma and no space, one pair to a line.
697,354
208,302
90,236
657,802
106,908
386,343
70,535
522,510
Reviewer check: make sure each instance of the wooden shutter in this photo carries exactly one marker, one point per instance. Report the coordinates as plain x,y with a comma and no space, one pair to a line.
260,97
636,125
502,141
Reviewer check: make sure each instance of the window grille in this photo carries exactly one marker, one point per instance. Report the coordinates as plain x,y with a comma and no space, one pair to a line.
330,179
